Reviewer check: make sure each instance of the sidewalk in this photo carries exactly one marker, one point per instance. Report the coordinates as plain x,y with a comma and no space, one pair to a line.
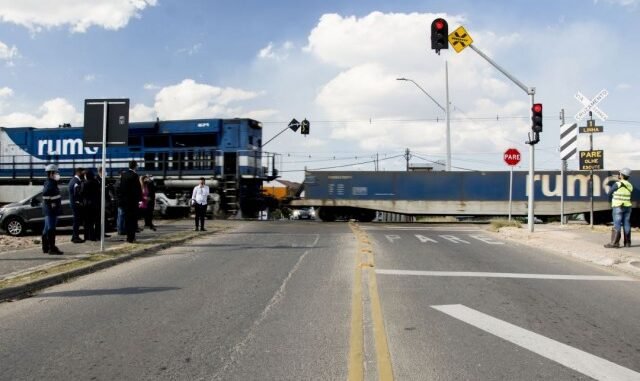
26,270
578,240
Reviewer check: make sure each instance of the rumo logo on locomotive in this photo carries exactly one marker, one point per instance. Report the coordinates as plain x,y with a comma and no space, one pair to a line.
64,147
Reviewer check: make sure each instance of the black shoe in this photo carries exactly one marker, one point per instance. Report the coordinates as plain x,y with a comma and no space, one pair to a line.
107,236
196,229
153,228
203,230
55,251
77,240
131,241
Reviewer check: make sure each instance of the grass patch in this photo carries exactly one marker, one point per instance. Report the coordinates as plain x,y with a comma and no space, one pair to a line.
497,224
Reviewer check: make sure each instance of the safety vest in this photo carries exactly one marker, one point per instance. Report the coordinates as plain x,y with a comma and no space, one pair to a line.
622,196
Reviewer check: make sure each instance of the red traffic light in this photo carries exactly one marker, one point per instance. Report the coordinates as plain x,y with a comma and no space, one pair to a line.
439,24
537,108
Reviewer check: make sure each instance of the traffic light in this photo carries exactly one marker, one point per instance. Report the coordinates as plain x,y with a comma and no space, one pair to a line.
304,127
439,35
536,117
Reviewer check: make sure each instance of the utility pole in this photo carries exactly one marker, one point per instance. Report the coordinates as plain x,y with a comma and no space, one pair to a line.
563,168
407,156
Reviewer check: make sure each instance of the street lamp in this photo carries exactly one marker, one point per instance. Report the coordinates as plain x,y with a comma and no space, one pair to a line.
446,111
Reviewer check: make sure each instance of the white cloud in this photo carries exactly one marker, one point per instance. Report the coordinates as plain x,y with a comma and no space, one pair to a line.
141,113
5,92
624,3
151,86
190,99
8,53
79,15
393,38
51,114
89,77
623,86
276,53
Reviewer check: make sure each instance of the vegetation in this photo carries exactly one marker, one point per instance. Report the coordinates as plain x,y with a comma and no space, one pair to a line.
498,223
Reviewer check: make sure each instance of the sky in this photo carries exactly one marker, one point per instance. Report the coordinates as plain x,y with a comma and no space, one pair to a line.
334,63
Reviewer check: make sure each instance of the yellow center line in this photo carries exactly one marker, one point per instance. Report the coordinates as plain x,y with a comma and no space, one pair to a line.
383,357
356,346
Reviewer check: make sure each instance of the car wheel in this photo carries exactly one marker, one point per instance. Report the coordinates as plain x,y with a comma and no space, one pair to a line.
14,226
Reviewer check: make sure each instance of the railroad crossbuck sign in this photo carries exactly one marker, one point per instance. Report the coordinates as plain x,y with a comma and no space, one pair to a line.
460,39
591,105
512,156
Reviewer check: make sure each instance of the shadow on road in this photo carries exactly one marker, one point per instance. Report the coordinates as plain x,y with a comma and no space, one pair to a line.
112,291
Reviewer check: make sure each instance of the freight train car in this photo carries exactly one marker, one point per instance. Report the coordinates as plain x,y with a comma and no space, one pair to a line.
176,153
359,195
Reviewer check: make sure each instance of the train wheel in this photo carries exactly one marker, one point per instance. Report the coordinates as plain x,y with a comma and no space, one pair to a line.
326,214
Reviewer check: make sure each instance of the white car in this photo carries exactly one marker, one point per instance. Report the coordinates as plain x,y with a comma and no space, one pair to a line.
304,214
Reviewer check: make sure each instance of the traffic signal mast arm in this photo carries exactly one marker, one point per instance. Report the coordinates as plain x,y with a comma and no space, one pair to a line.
529,90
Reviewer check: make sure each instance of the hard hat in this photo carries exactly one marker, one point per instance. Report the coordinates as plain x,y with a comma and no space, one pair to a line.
625,172
51,168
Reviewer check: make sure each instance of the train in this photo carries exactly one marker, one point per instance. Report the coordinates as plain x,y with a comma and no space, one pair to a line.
360,194
227,152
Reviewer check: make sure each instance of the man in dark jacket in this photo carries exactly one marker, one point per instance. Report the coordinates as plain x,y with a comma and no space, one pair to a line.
151,203
75,199
131,195
91,194
51,207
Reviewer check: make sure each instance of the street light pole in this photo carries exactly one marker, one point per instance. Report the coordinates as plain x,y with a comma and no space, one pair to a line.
446,111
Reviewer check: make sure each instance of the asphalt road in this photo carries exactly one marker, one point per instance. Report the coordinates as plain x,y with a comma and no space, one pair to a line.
276,300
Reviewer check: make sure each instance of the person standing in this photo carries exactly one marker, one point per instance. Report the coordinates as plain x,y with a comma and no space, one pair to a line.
120,217
75,199
108,203
199,199
130,196
51,207
142,206
91,194
151,202
620,194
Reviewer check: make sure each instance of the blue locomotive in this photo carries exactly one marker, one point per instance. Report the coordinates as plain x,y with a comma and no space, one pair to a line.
176,153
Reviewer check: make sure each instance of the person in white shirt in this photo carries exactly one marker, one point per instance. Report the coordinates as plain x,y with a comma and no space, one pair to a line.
199,201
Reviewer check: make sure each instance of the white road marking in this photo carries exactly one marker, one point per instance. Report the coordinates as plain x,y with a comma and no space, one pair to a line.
504,275
392,237
430,228
453,238
424,239
572,358
485,239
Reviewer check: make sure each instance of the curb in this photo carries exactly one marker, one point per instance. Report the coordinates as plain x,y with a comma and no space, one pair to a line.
25,290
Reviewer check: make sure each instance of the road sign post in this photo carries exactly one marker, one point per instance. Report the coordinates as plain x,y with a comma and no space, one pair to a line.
106,122
461,41
591,159
512,158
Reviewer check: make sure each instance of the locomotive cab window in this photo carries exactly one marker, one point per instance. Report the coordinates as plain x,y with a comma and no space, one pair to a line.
195,140
156,141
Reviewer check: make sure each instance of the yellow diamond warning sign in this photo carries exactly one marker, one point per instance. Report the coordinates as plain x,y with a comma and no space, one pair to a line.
460,39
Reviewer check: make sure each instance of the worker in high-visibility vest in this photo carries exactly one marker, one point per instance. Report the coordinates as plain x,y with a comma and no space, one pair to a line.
621,207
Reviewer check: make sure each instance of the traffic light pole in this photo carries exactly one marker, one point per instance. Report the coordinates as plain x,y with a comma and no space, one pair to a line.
531,91
448,134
